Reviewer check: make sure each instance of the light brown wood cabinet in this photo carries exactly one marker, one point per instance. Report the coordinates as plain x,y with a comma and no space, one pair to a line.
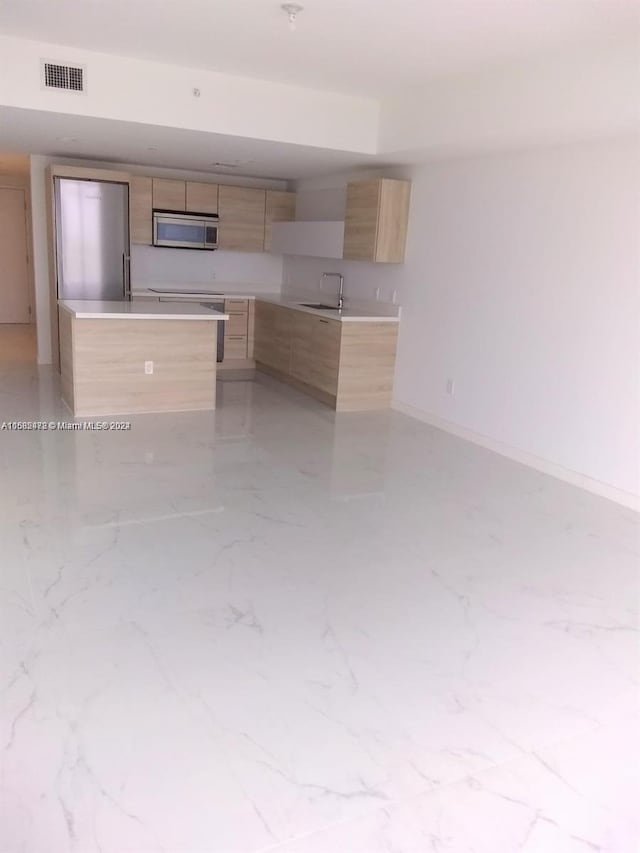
232,304
272,336
280,206
236,331
245,213
315,351
235,347
237,322
140,204
201,198
349,366
241,211
169,194
376,220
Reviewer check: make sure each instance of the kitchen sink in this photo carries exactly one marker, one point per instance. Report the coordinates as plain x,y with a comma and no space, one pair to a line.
319,305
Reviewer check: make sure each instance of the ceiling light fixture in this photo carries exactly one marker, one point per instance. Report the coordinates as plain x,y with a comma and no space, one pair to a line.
292,10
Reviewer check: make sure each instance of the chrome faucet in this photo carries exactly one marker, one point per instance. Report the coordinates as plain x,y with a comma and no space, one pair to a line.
340,288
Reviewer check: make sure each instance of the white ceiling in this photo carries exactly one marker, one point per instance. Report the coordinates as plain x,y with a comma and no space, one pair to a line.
83,137
368,47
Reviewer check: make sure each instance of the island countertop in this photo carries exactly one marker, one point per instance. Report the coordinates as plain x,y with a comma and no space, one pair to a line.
138,310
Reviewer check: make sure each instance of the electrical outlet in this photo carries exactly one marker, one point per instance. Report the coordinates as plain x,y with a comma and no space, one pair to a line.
451,387
377,294
148,367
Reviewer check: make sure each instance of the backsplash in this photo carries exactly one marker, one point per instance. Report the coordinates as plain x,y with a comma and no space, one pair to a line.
183,268
364,283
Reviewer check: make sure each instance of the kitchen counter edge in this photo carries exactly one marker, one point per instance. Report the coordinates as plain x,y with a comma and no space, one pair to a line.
136,310
348,315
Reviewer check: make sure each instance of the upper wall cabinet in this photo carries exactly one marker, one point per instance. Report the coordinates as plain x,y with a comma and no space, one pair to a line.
201,198
375,227
280,206
169,195
140,204
241,211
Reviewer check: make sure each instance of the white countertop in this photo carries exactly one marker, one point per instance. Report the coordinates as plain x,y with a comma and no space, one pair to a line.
199,292
350,314
374,312
137,310
192,295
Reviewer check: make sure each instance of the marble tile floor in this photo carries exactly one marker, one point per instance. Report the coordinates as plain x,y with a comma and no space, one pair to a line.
271,628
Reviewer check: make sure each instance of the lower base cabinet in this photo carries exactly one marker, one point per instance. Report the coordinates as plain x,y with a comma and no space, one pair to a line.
272,336
348,365
315,351
238,339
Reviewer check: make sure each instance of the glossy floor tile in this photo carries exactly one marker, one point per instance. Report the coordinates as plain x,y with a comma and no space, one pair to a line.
271,628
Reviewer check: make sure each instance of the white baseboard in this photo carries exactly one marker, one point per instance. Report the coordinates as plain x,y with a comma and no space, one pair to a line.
552,468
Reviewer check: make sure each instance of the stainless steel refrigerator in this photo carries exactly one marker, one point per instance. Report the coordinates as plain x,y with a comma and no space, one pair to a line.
92,239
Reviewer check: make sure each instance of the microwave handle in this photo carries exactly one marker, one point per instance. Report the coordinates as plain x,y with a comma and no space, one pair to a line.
126,276
210,235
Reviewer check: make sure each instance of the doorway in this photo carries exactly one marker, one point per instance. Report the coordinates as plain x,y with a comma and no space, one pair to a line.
15,290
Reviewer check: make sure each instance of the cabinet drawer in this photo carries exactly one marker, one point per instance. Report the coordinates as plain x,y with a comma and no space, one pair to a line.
236,305
236,324
235,346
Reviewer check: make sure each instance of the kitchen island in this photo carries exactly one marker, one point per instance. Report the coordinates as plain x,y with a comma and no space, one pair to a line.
120,358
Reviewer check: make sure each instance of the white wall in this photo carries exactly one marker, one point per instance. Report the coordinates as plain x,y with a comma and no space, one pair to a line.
180,268
522,284
154,93
570,95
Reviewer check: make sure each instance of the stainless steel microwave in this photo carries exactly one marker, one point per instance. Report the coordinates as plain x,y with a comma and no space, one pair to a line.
185,230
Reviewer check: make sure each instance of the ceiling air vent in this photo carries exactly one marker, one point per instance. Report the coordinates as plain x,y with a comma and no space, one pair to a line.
68,77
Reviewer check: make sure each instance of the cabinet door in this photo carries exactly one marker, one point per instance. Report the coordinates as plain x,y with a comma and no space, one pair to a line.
140,203
361,220
302,348
376,219
272,336
201,198
241,211
393,220
280,206
326,339
168,195
315,351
